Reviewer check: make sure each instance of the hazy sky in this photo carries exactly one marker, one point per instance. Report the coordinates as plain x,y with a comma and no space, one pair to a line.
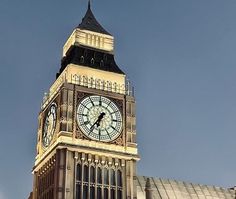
179,55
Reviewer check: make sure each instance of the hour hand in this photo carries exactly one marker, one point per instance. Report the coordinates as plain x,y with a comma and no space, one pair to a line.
98,121
100,118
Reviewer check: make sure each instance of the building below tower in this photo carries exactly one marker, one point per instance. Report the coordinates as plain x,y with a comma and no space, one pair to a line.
173,189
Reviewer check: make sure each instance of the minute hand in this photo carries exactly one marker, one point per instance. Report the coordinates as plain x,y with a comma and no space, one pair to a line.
100,117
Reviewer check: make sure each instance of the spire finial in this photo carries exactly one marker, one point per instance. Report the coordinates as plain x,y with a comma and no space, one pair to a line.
89,4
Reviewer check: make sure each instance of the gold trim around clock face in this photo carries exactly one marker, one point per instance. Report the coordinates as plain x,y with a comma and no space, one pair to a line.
49,125
99,118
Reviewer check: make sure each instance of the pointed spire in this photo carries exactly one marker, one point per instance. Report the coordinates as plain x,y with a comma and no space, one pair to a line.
89,22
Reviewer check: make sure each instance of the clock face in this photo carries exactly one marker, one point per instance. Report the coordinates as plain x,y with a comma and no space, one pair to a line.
99,118
49,125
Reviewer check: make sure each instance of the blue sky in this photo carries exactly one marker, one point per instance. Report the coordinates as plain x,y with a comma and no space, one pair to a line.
179,55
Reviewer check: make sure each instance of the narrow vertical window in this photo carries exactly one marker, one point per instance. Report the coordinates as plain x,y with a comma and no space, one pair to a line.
102,63
82,59
119,194
78,175
99,175
85,173
113,192
119,178
92,174
105,193
106,176
78,191
99,193
92,192
85,192
92,61
112,177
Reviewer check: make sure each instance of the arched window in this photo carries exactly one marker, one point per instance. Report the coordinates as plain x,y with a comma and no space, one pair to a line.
106,176
119,178
78,175
102,63
86,173
92,174
92,61
82,59
99,175
113,177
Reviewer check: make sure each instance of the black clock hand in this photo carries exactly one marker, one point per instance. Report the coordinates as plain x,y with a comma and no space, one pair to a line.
98,120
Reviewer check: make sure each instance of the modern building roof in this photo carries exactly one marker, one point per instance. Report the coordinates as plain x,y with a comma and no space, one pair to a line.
172,189
89,22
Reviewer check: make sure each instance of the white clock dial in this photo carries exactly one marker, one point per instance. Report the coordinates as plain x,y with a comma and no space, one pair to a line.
99,118
49,125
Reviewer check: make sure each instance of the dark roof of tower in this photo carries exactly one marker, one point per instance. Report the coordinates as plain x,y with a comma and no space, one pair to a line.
89,22
90,57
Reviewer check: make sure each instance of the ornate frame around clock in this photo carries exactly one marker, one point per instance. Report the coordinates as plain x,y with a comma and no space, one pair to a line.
119,103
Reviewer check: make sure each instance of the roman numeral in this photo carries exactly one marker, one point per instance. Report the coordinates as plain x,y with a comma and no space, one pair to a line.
108,134
82,114
114,129
108,104
91,101
116,121
85,123
85,106
115,111
100,101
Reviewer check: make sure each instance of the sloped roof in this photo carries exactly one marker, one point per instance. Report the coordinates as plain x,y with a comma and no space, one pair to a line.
172,189
89,22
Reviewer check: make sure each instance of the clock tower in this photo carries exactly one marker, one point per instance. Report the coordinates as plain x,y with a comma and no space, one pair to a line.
86,141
